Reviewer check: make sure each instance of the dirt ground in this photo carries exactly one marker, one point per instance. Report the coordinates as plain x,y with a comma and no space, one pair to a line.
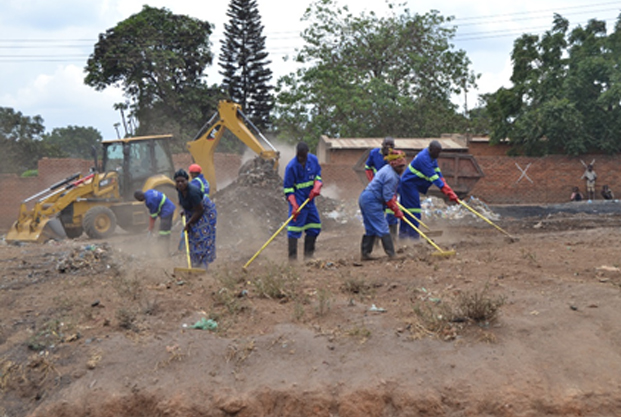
522,327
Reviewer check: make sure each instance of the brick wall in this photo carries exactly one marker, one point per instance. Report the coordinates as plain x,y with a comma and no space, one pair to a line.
552,178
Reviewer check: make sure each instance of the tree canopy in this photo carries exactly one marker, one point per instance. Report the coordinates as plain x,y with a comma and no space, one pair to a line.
158,59
74,141
370,76
566,92
21,142
244,62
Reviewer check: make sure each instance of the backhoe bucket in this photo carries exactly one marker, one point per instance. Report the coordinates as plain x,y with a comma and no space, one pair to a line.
38,232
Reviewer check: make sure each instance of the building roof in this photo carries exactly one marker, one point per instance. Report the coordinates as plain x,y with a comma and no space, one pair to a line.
454,143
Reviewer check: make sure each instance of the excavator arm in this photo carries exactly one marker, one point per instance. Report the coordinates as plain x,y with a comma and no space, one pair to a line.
231,117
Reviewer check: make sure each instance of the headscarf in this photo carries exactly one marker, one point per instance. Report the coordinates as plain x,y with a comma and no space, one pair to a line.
395,158
182,173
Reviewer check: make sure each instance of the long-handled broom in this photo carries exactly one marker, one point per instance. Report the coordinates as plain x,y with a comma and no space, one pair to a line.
189,269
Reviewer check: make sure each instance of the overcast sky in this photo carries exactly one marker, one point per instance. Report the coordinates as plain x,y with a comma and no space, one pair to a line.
44,44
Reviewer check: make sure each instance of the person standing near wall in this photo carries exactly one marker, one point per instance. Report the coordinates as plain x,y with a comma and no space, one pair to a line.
590,176
375,162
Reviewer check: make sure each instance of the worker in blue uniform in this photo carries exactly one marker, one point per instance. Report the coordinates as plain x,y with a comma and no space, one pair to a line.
380,193
374,163
302,181
198,179
159,206
420,174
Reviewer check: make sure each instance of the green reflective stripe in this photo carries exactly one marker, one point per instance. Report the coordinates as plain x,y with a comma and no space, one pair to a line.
289,190
318,178
159,209
202,187
306,226
389,211
371,168
423,176
437,169
304,184
414,210
164,232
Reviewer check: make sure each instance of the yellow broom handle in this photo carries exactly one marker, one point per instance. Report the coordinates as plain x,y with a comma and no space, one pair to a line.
423,235
187,243
403,209
275,234
483,217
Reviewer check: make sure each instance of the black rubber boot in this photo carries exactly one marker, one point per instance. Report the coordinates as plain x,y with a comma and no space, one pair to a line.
366,247
394,231
389,247
309,246
293,249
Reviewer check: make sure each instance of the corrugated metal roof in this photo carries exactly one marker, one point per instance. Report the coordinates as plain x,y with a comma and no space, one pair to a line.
400,143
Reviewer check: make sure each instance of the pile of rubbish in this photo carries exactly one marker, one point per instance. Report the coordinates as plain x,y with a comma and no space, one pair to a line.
91,257
436,208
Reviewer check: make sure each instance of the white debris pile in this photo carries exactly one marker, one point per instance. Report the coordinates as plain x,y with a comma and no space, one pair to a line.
436,208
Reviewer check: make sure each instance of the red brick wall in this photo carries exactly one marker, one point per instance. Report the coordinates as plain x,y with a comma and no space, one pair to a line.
553,178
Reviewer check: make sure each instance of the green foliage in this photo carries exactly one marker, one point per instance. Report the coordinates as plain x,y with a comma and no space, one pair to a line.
244,62
75,141
566,92
20,141
30,173
158,58
367,76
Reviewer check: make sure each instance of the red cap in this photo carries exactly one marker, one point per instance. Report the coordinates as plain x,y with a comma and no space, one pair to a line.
195,168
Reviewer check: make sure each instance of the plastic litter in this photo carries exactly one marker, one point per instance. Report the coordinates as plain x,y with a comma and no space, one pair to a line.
377,309
205,324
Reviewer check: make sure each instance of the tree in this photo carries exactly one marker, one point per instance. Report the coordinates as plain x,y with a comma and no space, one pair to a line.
158,58
566,92
74,141
367,76
20,141
244,62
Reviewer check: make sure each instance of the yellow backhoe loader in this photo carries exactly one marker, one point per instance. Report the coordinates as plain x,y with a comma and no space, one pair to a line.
97,202
229,116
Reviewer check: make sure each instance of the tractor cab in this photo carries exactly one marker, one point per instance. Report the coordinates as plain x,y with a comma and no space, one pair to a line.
137,160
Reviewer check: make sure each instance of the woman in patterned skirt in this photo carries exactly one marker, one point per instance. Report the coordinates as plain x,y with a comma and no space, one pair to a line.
200,214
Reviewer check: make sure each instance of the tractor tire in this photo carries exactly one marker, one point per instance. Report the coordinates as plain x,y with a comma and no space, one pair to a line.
99,222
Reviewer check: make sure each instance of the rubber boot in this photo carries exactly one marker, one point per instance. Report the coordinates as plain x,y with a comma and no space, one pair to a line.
394,231
366,247
293,249
309,246
389,247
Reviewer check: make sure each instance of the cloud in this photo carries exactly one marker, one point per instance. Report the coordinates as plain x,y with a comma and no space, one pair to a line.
46,15
62,99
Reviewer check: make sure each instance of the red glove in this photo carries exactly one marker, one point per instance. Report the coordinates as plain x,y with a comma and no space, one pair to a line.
151,224
369,174
448,191
392,204
294,206
316,190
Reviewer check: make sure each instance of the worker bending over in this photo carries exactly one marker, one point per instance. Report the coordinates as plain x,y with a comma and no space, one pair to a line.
374,163
159,206
302,181
379,194
420,174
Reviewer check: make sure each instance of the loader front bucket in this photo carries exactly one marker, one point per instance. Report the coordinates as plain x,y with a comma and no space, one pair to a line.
38,232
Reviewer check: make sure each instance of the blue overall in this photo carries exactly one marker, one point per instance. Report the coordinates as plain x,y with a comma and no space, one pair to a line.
201,182
299,181
375,162
372,201
159,205
417,178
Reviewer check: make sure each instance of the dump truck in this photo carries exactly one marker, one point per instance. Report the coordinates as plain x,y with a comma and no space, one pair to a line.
99,201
